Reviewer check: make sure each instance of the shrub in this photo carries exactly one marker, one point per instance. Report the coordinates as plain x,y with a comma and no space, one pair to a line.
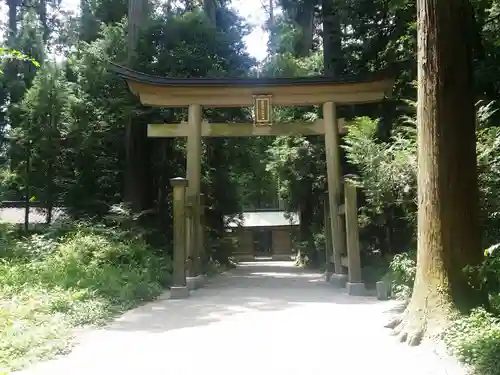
402,274
475,339
49,285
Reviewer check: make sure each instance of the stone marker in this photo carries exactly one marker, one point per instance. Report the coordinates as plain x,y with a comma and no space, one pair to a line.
355,285
179,289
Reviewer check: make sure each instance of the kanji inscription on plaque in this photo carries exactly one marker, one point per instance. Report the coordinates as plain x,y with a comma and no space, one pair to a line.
262,110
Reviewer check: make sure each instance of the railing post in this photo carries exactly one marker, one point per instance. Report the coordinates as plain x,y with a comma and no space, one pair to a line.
195,278
328,237
179,289
201,235
355,285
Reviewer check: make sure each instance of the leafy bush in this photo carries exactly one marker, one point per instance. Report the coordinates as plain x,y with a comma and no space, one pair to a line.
475,339
402,274
49,285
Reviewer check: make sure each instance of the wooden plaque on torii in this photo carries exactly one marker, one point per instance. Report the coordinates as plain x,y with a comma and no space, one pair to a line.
262,105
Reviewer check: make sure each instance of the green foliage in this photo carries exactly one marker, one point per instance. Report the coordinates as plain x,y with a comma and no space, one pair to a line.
476,341
388,168
388,173
388,177
48,285
401,274
12,54
286,65
487,275
86,106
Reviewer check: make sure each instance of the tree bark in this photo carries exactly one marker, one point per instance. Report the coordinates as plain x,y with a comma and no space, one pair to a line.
448,213
136,149
42,11
305,18
210,9
12,5
332,39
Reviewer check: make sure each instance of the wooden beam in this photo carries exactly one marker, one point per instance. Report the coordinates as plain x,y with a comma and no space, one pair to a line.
242,130
221,100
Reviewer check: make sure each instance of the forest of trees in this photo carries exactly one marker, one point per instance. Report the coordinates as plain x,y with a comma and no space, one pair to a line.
72,118
73,136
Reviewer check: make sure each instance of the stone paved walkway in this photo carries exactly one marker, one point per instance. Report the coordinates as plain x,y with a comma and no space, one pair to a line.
262,318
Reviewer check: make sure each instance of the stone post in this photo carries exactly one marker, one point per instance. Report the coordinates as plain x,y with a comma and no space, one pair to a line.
199,261
328,237
179,289
201,236
355,285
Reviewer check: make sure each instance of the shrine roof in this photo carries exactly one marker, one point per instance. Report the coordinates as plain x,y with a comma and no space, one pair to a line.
238,92
133,75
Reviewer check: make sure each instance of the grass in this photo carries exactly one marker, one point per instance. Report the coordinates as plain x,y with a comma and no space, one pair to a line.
49,286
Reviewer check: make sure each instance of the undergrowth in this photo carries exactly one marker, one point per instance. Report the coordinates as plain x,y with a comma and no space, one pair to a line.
51,283
475,337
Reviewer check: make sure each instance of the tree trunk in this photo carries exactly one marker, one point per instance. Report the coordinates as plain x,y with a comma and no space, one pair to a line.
305,18
448,230
12,5
42,11
136,149
332,39
210,9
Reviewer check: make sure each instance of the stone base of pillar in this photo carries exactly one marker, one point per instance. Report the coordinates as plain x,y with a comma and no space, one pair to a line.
195,282
356,289
338,280
191,283
328,276
200,281
179,292
383,290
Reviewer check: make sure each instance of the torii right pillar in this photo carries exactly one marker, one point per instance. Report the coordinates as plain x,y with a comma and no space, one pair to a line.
334,181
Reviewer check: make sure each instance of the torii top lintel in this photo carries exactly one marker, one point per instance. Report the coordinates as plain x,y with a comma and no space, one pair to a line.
238,92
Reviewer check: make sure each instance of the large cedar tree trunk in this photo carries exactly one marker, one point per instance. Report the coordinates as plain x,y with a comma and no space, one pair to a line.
332,39
448,230
136,147
305,18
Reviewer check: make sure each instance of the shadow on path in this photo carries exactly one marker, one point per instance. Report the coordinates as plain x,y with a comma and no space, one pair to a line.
262,317
251,287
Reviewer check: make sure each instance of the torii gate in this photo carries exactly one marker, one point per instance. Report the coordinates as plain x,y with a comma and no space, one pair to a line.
262,94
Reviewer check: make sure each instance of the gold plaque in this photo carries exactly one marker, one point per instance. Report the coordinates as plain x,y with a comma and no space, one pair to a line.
262,110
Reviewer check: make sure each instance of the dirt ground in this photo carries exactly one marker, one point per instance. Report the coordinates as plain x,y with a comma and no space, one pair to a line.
261,318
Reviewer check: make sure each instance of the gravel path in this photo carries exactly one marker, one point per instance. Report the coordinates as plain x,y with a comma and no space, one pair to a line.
262,318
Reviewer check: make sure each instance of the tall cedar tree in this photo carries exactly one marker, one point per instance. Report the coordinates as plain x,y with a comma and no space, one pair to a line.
448,224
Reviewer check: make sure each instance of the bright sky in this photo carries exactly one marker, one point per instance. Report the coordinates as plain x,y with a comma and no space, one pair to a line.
256,42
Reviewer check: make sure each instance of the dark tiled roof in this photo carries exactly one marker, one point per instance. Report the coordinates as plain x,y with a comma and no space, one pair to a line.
133,75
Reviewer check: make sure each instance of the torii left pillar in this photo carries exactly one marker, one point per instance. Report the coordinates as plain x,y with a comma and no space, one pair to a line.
193,171
332,152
